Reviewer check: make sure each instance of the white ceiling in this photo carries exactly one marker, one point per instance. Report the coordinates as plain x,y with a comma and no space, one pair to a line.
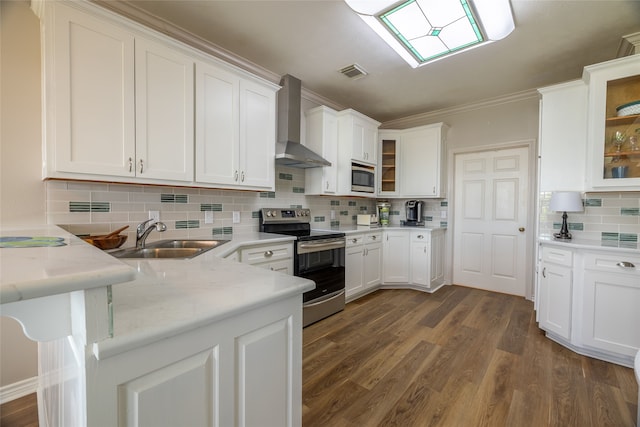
313,39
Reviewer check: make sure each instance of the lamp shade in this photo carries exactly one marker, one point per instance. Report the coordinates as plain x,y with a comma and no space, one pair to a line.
566,201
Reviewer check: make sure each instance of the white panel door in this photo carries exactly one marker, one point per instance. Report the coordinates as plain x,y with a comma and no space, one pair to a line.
491,213
164,112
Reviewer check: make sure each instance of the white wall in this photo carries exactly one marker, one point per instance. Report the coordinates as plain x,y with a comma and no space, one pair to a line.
21,188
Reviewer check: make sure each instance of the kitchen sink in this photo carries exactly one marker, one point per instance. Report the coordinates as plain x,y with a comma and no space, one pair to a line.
163,249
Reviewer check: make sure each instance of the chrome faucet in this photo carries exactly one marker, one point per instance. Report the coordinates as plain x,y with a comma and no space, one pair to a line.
143,231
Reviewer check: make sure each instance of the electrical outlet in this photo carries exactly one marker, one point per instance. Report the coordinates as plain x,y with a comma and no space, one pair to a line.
154,215
236,217
333,215
443,214
208,217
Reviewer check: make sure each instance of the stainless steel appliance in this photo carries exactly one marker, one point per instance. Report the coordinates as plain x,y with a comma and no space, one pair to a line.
318,256
363,178
413,210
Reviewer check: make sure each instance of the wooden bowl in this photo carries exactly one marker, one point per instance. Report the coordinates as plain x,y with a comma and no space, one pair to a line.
103,242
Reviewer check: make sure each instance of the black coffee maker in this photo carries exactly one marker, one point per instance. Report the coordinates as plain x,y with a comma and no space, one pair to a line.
413,210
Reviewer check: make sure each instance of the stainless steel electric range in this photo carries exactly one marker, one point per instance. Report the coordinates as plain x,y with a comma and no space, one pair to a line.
318,256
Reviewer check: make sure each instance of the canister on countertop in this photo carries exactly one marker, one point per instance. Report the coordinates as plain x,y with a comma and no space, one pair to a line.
383,212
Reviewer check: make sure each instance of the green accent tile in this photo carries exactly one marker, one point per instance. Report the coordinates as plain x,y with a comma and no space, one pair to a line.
443,224
629,245
630,211
79,206
299,190
318,219
352,203
335,223
628,237
212,207
428,218
255,214
295,206
576,226
227,230
335,203
344,213
268,195
89,207
194,223
285,176
221,230
593,202
167,198
394,212
182,198
363,209
444,203
609,236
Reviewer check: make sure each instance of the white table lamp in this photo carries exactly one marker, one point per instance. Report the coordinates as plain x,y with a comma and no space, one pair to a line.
565,201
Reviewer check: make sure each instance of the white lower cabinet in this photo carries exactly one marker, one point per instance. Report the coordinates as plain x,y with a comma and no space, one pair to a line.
240,371
363,262
611,298
396,256
588,300
555,291
427,258
273,257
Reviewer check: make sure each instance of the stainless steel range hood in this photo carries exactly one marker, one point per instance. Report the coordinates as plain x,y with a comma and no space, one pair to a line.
289,151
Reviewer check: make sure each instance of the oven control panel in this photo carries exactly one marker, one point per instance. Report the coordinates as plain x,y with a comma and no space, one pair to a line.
285,215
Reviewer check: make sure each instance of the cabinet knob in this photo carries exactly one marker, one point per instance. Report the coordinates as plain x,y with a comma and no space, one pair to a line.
130,164
354,240
374,237
268,254
242,177
521,229
420,236
235,176
141,166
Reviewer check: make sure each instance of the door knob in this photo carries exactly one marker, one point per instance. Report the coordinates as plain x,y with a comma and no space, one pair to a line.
521,229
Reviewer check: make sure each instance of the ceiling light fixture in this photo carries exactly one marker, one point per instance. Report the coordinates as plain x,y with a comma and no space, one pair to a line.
423,31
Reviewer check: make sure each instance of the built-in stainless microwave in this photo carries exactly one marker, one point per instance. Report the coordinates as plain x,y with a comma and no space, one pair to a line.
363,178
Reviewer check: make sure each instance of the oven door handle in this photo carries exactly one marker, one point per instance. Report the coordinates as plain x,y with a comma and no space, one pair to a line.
315,247
324,298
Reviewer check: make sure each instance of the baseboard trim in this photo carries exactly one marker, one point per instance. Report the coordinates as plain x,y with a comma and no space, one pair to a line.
17,390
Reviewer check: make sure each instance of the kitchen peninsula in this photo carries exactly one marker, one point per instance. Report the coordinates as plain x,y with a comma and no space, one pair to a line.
204,341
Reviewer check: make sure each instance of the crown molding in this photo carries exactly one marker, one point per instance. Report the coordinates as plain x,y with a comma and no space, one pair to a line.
629,45
424,118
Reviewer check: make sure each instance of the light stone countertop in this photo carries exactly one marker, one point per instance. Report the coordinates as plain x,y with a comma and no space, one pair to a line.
604,245
152,299
351,229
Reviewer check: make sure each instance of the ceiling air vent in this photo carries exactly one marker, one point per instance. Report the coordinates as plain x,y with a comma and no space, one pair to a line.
353,71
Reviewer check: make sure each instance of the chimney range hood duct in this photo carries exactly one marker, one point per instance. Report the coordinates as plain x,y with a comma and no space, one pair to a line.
289,151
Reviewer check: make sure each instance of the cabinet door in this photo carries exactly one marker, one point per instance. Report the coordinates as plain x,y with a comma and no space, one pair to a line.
90,124
563,131
420,163
164,112
396,257
257,135
611,314
420,263
217,125
322,137
372,268
613,84
364,142
437,259
555,306
353,270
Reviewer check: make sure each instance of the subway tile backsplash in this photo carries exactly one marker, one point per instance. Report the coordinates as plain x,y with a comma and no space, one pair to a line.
610,217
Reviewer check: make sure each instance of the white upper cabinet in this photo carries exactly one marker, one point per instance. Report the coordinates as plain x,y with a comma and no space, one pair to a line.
164,112
612,85
89,95
121,103
358,136
235,129
563,132
322,138
412,162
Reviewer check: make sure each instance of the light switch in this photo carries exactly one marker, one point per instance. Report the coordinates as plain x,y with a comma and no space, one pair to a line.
208,217
236,217
155,215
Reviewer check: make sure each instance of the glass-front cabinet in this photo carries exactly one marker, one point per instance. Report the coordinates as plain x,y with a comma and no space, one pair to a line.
614,124
388,162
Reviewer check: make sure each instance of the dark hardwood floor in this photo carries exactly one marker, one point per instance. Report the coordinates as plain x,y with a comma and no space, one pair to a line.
459,357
